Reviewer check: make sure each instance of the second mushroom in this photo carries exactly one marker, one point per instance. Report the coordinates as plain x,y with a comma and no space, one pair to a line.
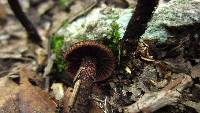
93,62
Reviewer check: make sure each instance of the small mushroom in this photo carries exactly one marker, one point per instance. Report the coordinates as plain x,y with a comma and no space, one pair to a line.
93,62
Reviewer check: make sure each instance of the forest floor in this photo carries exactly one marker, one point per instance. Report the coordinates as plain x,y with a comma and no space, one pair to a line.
169,85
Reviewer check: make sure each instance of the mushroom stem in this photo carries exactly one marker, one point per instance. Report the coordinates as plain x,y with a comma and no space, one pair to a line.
91,61
87,75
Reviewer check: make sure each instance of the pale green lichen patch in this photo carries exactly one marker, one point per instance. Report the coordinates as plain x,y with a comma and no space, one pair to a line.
176,13
104,23
101,23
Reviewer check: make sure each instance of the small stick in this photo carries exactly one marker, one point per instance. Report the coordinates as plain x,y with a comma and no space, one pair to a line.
47,71
26,23
77,74
74,94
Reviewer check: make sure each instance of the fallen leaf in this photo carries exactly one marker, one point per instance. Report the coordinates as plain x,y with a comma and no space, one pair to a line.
32,99
8,97
24,98
195,71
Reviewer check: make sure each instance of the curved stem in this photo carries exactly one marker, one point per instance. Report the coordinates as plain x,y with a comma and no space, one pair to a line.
87,74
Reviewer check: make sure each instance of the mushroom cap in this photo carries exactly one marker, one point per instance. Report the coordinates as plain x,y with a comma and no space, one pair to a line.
105,62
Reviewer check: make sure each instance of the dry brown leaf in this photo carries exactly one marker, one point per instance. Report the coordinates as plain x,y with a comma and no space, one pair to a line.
10,105
95,108
195,71
68,94
32,99
24,98
2,12
8,97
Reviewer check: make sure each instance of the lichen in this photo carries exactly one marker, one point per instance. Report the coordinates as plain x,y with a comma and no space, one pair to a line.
100,23
176,13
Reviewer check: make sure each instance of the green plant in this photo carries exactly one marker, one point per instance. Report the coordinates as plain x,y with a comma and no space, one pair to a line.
64,3
56,48
114,38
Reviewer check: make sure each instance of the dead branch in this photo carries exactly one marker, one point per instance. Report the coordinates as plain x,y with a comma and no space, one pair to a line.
26,23
151,102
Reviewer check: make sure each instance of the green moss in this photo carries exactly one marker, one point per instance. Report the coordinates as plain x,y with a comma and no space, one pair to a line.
114,37
56,48
64,3
100,24
115,34
65,24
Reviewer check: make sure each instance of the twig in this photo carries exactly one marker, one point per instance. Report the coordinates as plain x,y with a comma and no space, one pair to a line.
77,74
47,71
26,23
138,22
151,102
74,94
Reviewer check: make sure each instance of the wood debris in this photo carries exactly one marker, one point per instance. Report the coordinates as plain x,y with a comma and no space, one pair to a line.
153,101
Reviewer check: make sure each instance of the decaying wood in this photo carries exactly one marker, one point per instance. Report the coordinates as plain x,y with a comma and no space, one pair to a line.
67,96
47,71
151,102
74,93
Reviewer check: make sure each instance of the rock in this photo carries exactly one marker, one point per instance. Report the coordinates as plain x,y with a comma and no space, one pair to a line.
174,14
104,24
58,91
97,25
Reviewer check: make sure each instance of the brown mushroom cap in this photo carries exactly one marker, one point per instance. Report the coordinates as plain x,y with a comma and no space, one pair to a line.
104,58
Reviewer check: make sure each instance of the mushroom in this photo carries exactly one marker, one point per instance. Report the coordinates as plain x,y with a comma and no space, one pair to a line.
94,62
